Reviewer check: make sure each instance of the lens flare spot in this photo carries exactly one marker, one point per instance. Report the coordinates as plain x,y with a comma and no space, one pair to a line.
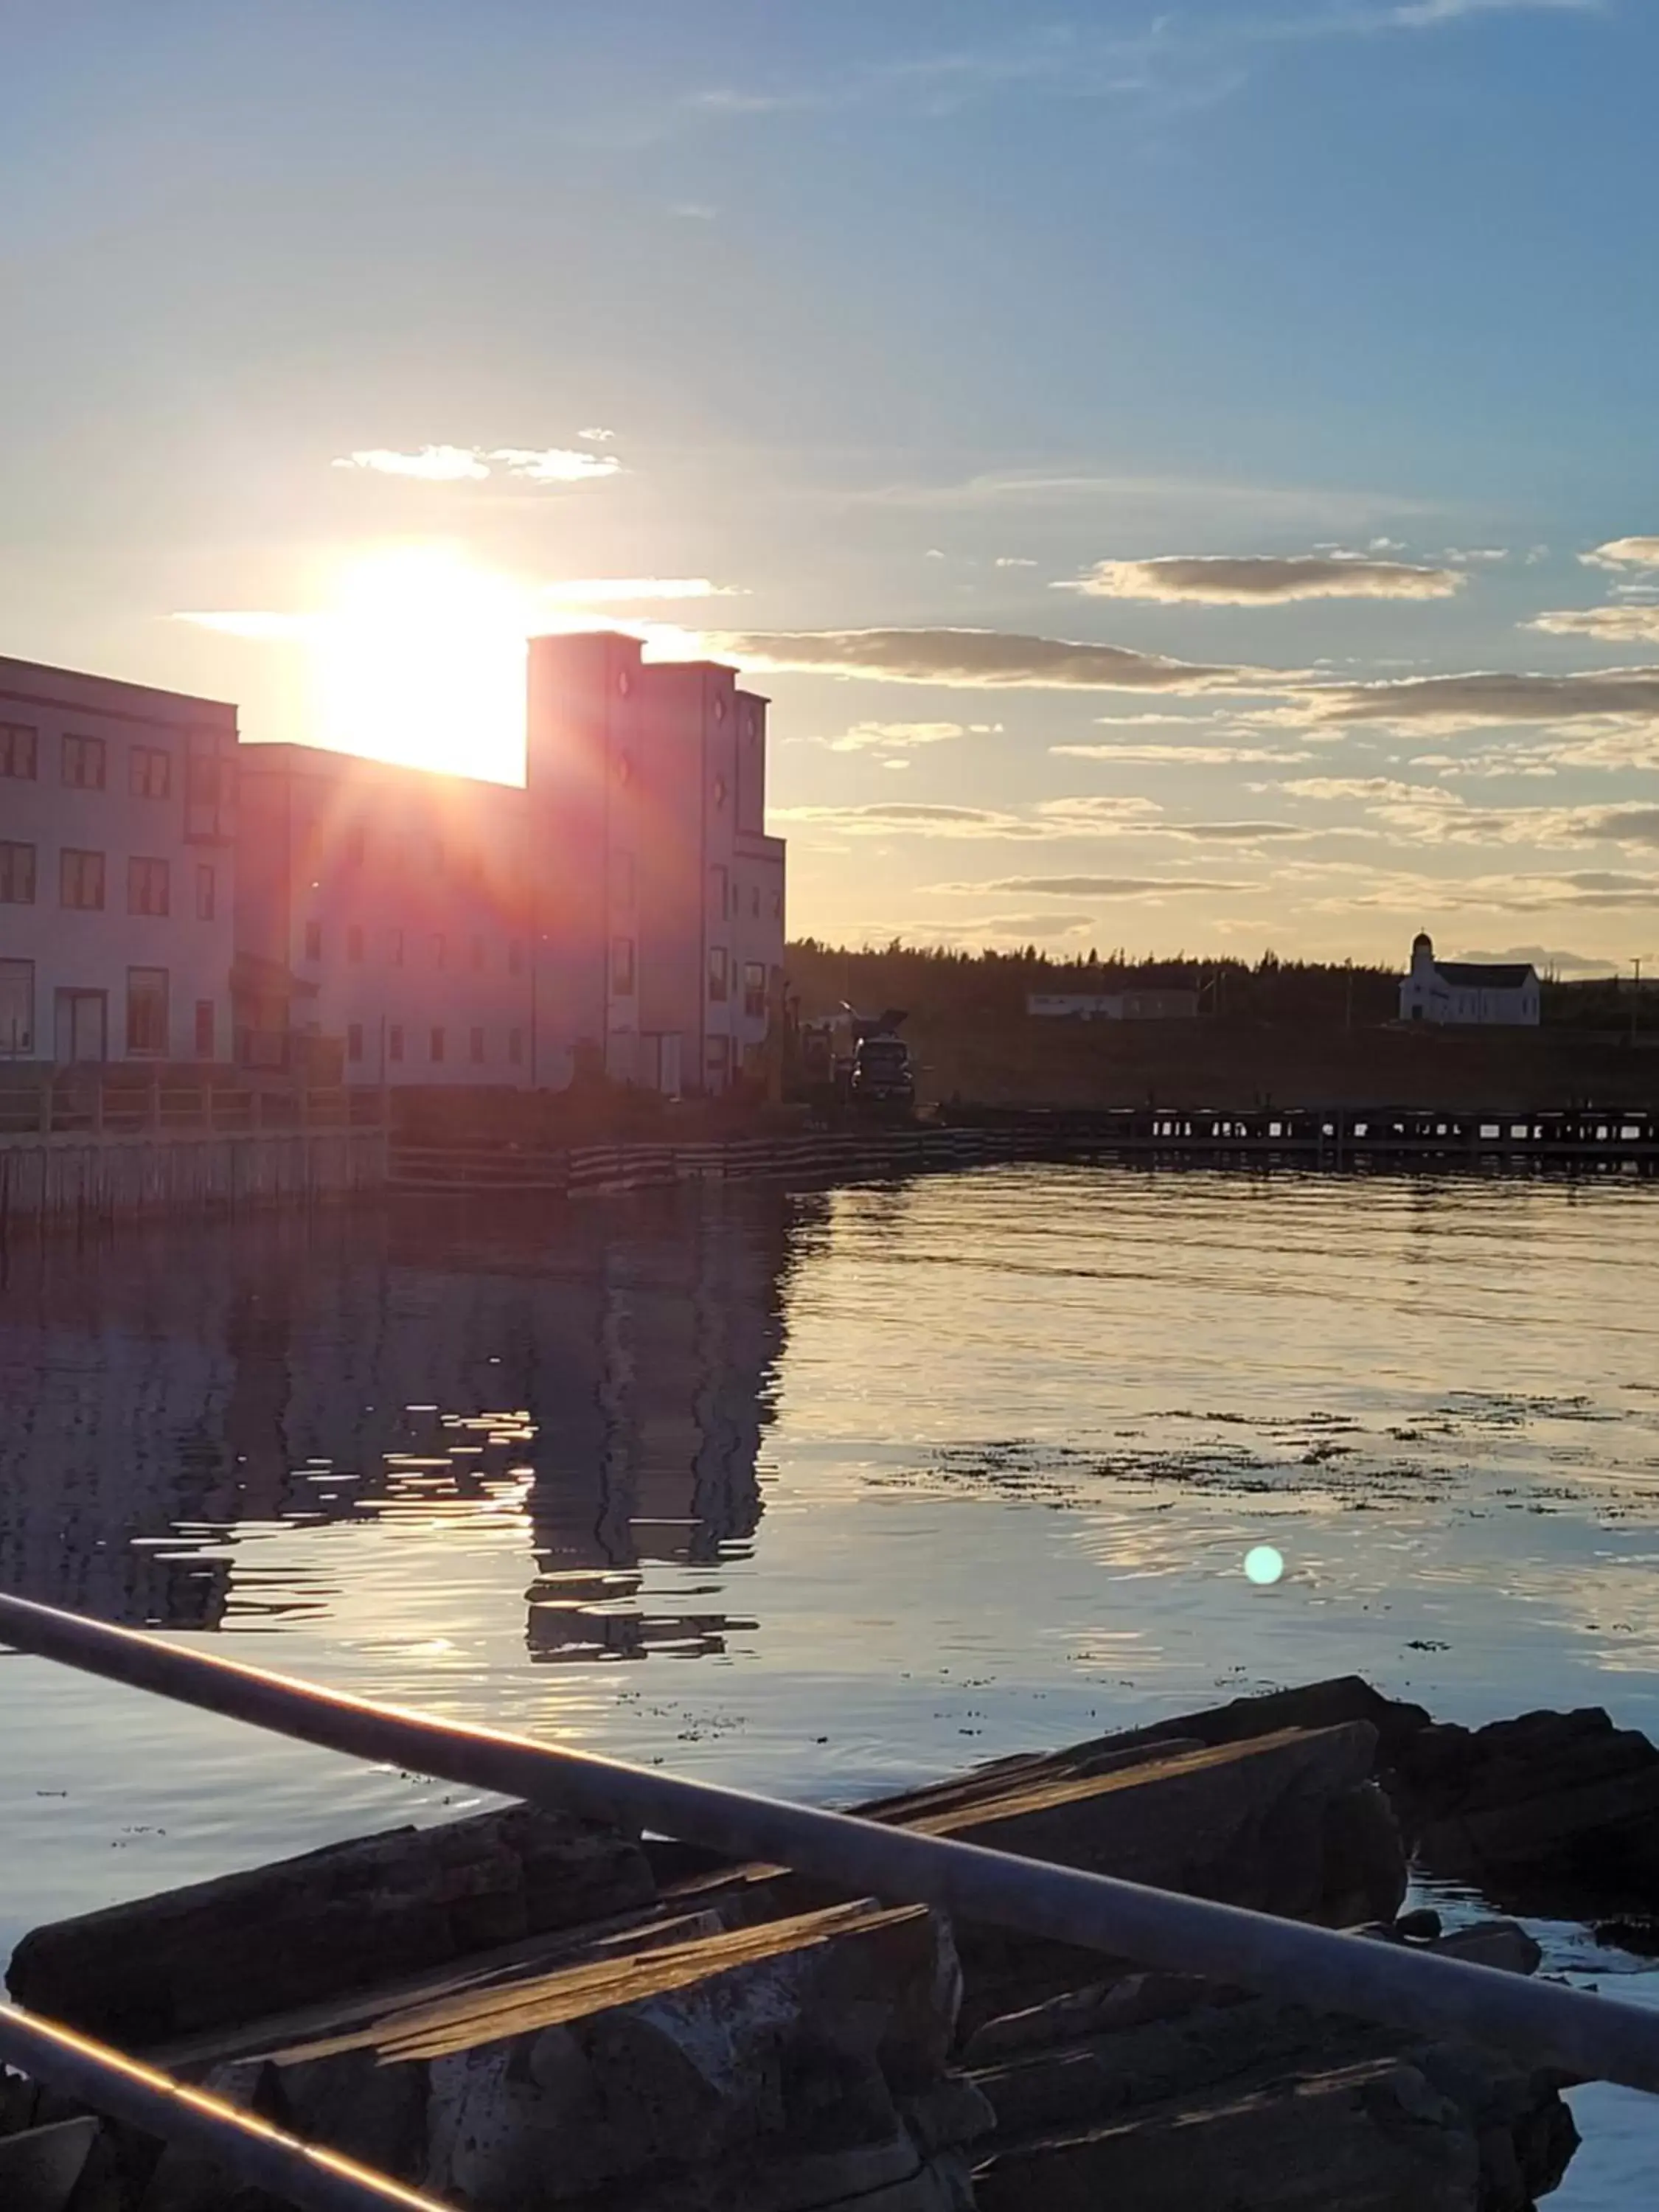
1263,1565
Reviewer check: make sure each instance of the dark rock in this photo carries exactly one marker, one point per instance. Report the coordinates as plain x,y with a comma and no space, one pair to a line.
305,1929
40,2166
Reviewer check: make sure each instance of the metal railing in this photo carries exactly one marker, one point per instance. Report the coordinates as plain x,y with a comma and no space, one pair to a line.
263,2156
1586,2036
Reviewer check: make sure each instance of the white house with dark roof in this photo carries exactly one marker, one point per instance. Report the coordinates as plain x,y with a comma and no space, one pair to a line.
1486,993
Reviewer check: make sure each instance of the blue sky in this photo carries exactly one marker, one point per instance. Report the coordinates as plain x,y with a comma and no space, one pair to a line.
1301,350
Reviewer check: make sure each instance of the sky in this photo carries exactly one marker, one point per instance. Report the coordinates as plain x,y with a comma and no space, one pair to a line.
1185,474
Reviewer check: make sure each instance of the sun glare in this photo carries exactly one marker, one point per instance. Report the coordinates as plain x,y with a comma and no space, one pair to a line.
417,655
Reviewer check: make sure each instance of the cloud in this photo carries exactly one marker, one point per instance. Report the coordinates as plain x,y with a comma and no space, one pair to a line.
983,657
432,464
1013,561
470,464
599,590
1098,887
555,464
900,818
1181,756
1624,553
597,435
264,628
1621,625
1481,554
882,736
1546,958
1426,15
1454,703
1262,579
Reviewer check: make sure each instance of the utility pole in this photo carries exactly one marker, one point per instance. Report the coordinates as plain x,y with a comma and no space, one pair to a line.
1636,998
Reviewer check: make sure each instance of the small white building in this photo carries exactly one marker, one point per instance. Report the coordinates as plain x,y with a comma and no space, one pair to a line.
1473,993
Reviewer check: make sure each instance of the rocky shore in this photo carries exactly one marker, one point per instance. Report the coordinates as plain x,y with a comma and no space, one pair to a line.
521,2012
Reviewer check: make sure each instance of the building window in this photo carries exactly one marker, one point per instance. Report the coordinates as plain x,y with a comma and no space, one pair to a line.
515,1047
147,1010
207,894
204,1029
150,887
354,942
439,952
354,1041
149,772
477,953
20,750
84,764
754,903
622,967
719,896
17,873
313,940
478,1047
718,969
624,770
394,1042
81,880
754,989
514,958
435,1045
16,1008
777,906
397,948
720,791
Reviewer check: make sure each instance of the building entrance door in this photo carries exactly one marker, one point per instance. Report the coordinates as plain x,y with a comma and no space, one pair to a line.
82,1027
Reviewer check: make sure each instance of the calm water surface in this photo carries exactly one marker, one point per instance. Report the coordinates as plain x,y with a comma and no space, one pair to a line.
825,1493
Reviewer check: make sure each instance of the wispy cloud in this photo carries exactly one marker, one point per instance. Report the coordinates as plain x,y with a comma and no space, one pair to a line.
471,464
1152,753
984,658
1261,580
903,737
1092,887
604,591
1624,553
1454,703
898,818
1627,624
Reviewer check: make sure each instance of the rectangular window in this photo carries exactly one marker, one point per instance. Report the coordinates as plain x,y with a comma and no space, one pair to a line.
515,958
146,1011
622,967
477,953
81,880
394,1042
207,894
440,951
435,1045
17,873
16,1008
754,989
515,1047
477,1047
354,1041
777,906
313,940
20,750
150,887
205,1027
719,892
718,972
149,771
354,942
84,764
397,948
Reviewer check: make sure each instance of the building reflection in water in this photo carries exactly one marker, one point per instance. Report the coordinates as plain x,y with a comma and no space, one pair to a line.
602,1374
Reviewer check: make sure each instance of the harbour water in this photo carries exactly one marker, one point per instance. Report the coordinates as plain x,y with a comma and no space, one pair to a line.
823,1493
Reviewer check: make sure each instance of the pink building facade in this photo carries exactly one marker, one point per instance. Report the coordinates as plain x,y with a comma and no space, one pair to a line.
623,911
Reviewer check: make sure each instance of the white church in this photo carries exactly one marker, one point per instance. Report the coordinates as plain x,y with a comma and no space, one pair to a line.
1493,993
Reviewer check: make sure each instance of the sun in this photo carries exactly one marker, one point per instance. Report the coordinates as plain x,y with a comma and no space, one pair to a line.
417,655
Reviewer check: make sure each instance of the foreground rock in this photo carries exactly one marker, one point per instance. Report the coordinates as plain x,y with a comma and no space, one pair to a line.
799,2063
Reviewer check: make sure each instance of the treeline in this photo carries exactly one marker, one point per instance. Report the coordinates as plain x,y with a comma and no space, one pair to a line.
936,985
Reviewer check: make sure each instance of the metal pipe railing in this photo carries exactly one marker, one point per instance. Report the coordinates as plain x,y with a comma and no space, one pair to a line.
262,2156
1593,2037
